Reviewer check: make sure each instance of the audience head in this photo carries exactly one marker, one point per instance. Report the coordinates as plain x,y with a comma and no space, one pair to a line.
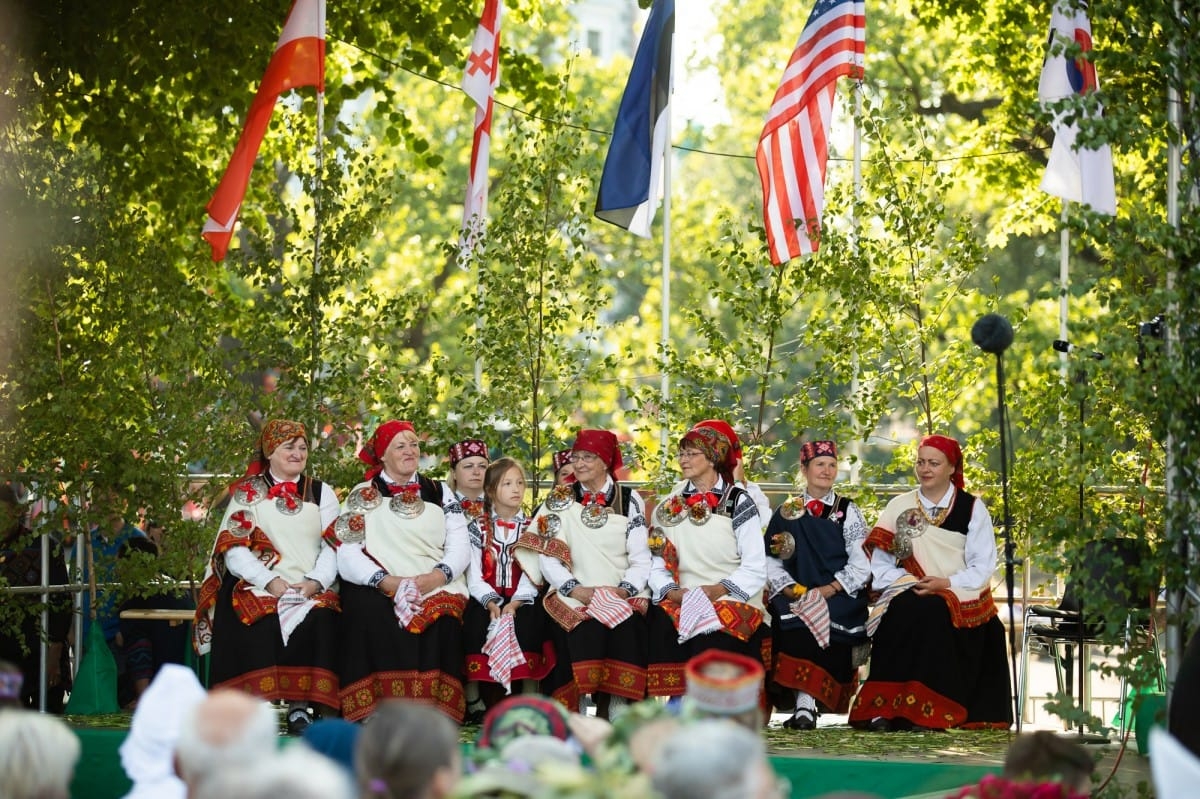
294,773
227,729
407,750
10,513
148,752
715,759
517,716
11,682
1043,756
334,738
38,754
725,685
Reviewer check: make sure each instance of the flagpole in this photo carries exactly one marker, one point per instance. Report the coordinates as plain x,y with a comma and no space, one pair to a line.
663,436
316,306
1176,533
856,442
1064,281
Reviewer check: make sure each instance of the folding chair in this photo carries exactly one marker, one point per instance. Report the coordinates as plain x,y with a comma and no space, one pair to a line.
1069,630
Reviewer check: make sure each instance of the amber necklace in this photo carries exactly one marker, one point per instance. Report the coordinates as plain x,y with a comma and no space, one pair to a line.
939,513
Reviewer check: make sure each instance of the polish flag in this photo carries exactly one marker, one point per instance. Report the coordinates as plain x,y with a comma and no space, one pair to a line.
298,60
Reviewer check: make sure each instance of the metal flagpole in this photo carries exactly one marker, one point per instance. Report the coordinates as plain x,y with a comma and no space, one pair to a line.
665,342
1177,596
856,443
1064,281
317,183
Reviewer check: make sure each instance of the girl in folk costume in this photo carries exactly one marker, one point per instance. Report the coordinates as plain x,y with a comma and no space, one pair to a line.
817,576
403,560
938,653
502,650
268,604
469,460
709,565
592,544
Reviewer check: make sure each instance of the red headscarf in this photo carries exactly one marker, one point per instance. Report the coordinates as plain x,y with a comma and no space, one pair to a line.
602,444
372,452
725,429
950,448
715,445
274,433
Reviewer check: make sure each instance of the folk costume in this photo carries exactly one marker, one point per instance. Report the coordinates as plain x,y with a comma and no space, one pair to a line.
937,661
815,541
272,528
712,537
408,645
588,539
496,575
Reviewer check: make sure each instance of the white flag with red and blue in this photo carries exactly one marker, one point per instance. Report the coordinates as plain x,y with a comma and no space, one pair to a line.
1078,174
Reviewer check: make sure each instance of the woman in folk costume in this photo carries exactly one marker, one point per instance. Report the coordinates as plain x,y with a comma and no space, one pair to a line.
403,560
564,469
817,576
267,607
502,651
469,460
938,653
709,566
591,538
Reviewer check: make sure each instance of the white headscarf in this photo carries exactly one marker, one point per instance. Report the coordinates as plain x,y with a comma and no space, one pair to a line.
148,753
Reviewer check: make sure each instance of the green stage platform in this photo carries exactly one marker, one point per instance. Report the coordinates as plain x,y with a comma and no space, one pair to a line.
99,775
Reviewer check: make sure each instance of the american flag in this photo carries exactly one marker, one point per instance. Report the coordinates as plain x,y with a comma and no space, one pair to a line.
480,78
792,150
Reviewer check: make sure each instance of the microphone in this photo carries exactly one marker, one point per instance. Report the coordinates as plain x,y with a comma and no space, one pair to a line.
1066,346
992,333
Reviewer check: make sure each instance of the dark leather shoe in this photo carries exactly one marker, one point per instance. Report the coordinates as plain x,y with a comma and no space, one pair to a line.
880,724
802,719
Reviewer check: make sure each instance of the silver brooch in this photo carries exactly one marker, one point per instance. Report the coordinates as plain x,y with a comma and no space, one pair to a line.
407,504
909,525
670,511
594,516
251,492
364,499
560,498
350,528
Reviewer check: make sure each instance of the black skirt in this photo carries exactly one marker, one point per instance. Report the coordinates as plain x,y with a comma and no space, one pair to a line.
929,673
668,657
253,657
381,660
593,658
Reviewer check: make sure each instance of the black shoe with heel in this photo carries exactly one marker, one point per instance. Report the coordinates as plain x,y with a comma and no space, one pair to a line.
802,719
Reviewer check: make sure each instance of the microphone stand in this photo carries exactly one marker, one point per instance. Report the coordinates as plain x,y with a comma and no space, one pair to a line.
1010,560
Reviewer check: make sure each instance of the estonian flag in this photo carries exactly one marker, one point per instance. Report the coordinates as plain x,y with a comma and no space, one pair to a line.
631,185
